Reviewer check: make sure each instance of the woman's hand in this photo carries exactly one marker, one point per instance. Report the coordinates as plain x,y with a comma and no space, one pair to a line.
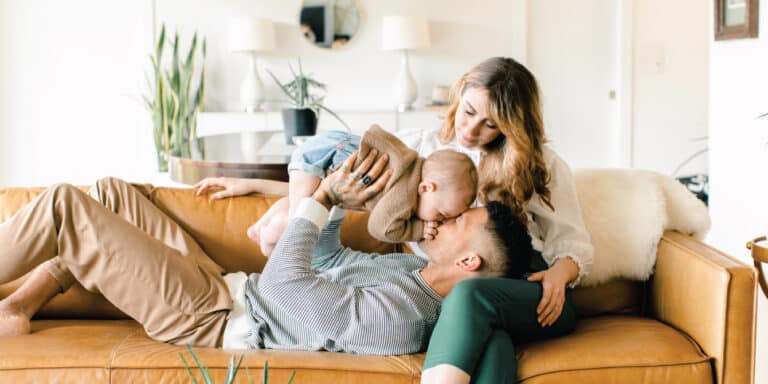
553,281
224,187
351,188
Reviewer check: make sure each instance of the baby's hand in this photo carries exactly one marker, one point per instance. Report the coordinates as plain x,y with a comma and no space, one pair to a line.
430,229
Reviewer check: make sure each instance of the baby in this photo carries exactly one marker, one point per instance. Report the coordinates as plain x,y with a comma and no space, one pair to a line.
420,193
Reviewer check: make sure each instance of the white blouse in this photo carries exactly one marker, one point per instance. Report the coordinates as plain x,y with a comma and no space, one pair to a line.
556,234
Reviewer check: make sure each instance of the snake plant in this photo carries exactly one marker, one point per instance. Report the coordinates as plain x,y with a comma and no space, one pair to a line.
173,103
232,370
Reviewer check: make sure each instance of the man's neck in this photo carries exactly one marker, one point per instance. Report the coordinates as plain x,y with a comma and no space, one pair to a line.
440,280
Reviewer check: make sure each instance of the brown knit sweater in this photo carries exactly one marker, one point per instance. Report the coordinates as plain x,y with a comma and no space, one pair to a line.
393,211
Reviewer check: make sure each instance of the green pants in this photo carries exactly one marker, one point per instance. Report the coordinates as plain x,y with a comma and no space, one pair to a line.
483,319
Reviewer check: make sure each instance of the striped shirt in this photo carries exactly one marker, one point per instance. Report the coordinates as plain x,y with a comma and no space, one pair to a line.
315,294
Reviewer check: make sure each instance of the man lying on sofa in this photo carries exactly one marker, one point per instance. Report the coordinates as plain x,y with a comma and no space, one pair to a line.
313,294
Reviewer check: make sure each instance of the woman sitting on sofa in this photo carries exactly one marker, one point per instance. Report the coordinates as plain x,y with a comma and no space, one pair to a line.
495,118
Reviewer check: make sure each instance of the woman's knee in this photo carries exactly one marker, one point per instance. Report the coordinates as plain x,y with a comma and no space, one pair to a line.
466,294
490,294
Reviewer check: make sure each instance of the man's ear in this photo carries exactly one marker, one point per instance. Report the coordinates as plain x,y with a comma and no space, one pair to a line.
470,262
426,186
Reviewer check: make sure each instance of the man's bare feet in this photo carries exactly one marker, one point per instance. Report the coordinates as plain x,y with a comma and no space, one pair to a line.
13,321
17,309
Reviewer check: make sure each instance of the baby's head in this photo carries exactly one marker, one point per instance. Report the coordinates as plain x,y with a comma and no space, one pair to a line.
448,185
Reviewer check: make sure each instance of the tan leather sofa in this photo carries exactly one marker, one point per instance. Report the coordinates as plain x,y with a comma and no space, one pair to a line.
693,322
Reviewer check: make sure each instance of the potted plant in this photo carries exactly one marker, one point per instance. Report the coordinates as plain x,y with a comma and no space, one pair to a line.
301,119
174,103
232,370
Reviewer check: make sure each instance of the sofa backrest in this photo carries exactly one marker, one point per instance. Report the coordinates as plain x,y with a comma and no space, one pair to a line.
220,226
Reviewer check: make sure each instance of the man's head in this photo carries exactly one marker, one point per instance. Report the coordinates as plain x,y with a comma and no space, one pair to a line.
448,185
487,241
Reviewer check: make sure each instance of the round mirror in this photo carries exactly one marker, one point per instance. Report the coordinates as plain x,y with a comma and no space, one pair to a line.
329,23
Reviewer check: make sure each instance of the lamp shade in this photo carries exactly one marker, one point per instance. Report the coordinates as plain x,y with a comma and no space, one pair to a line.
248,34
404,32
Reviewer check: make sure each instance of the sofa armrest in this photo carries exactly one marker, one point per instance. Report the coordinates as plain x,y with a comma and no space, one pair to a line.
710,296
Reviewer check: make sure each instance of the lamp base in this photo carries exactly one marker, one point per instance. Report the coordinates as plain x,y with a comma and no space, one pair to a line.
404,89
405,108
252,88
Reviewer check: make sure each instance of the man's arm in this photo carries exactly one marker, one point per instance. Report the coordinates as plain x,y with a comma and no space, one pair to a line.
329,243
357,319
289,282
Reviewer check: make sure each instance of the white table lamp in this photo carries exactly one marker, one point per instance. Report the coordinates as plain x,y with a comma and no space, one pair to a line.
404,33
250,35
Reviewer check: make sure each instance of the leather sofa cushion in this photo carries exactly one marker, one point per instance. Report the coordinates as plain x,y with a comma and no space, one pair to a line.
618,296
616,349
607,349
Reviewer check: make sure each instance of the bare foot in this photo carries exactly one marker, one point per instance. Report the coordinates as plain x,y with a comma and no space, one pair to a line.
13,322
271,233
254,232
279,208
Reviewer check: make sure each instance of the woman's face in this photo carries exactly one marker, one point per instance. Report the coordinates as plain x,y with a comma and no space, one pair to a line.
473,126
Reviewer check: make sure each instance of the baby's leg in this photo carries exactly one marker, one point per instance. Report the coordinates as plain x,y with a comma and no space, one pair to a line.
270,227
301,185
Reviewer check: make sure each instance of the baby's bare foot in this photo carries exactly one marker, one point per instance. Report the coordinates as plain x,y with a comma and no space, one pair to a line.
266,248
254,232
13,322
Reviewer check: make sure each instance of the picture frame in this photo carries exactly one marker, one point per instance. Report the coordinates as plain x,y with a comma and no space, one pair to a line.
736,19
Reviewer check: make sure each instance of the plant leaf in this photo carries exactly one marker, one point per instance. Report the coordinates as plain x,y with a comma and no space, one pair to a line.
230,374
301,71
248,374
191,52
202,368
158,55
235,370
266,372
175,66
336,116
186,366
293,374
283,87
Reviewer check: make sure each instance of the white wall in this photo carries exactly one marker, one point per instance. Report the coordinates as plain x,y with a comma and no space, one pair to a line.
359,75
574,49
73,72
739,155
670,87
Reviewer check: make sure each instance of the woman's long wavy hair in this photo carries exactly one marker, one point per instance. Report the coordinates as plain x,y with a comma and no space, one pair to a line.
513,167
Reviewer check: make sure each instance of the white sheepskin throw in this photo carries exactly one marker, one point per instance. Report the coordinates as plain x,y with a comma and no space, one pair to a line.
626,212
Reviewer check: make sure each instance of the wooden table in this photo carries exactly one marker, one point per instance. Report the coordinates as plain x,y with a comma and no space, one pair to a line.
190,171
225,155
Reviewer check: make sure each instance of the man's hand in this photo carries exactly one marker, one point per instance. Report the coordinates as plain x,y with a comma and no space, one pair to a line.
351,188
430,229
